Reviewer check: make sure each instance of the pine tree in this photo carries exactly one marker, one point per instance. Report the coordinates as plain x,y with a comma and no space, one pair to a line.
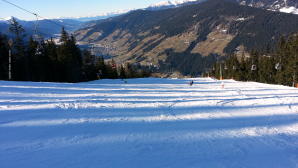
254,62
243,68
98,67
212,69
295,62
75,69
114,73
122,72
51,54
291,70
4,57
280,57
89,65
32,60
70,59
104,70
19,59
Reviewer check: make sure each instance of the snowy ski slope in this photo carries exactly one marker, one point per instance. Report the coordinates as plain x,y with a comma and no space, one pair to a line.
148,122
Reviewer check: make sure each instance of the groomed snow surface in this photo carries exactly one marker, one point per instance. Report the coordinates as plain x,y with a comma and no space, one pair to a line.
148,122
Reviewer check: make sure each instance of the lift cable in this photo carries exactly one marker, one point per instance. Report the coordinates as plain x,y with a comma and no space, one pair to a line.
32,30
36,14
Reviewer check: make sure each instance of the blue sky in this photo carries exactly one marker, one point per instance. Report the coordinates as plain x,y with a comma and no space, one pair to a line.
56,8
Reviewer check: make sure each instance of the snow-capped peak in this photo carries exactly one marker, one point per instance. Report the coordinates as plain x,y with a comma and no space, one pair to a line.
291,9
98,15
170,3
9,19
159,4
110,14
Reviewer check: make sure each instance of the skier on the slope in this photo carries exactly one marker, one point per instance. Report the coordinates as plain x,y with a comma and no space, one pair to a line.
191,83
125,80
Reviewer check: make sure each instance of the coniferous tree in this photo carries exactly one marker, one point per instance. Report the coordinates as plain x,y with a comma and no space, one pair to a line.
290,70
75,65
109,70
19,59
253,74
4,58
114,73
122,72
70,59
267,72
262,69
98,67
295,62
32,59
62,52
89,65
233,65
280,57
51,54
104,69
212,69
242,70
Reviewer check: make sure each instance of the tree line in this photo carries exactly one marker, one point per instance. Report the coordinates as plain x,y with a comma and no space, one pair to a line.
56,63
272,66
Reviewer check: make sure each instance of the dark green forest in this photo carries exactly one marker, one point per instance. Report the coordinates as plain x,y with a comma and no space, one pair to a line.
266,65
56,63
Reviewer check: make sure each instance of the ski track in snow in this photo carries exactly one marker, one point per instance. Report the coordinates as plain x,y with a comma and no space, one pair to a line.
148,123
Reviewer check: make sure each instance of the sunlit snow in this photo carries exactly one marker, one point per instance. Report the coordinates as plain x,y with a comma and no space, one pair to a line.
148,122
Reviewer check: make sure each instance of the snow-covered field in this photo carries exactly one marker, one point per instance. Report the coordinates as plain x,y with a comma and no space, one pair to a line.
148,123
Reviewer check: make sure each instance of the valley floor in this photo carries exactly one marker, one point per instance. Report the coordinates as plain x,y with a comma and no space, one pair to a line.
148,122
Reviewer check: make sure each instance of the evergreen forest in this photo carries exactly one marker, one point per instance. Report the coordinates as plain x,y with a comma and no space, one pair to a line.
55,63
272,66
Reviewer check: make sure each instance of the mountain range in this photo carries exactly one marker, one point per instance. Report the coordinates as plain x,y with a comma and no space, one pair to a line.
211,28
46,28
286,6
193,29
73,23
154,6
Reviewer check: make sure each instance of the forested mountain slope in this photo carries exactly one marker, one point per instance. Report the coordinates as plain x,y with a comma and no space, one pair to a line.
211,27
